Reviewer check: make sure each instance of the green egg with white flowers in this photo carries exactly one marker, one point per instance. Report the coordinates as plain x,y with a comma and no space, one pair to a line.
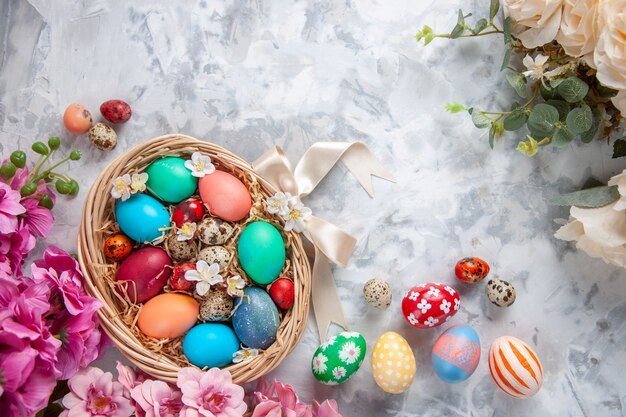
261,251
340,357
170,181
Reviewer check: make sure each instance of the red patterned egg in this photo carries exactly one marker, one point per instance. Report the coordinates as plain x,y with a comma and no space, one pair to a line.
282,292
471,269
188,211
116,111
177,279
430,305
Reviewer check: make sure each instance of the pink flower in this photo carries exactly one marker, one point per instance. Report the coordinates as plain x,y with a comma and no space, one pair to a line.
157,399
38,219
210,394
95,394
128,377
326,409
284,403
10,208
13,249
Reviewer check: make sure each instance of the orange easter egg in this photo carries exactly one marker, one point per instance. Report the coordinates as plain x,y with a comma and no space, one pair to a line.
118,247
77,119
225,196
515,367
168,315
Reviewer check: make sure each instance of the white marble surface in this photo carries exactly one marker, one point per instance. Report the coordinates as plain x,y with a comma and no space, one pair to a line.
250,74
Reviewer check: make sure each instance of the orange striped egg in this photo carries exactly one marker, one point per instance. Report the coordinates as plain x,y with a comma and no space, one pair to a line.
514,367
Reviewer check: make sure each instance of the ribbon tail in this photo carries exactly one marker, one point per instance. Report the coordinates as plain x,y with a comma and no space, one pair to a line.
326,303
363,164
334,243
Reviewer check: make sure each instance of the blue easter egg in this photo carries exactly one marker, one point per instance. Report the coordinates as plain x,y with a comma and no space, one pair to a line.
141,216
256,320
456,354
210,344
261,251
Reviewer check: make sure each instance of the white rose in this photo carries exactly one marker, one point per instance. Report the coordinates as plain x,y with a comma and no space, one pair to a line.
610,53
579,28
536,22
619,101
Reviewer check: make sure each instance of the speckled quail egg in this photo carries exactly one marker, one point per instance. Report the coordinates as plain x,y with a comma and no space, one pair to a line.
103,137
181,250
215,255
500,292
216,305
377,293
212,231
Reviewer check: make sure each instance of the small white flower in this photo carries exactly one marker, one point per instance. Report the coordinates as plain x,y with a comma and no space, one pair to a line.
537,68
245,354
350,335
236,284
349,353
433,291
431,321
412,319
449,289
205,276
414,296
200,165
138,182
329,342
445,306
457,304
319,363
339,372
278,203
121,187
424,306
186,232
296,216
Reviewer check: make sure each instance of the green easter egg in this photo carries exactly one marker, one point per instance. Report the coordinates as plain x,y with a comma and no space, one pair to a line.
170,181
336,360
261,251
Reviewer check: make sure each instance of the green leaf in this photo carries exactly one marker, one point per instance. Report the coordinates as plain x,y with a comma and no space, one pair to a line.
589,198
555,83
457,32
606,91
547,93
492,135
480,26
506,28
493,9
454,107
588,136
460,20
580,119
479,119
573,89
619,148
518,82
508,50
516,119
562,106
562,137
426,34
542,118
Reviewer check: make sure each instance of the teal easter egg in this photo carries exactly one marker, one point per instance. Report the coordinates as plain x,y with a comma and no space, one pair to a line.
141,216
210,345
256,319
261,251
337,359
170,180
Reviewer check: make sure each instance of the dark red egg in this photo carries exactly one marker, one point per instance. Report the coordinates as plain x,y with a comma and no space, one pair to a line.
471,270
188,211
116,111
282,292
145,273
177,279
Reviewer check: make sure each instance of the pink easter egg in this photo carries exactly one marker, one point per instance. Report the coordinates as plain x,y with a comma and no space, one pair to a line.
225,196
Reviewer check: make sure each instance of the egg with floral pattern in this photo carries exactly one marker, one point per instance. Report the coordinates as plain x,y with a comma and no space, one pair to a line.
393,363
337,359
430,305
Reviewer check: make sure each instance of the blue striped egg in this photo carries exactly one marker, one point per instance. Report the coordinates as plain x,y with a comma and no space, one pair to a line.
456,354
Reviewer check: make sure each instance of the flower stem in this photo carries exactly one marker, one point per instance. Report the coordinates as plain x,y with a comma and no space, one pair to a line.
49,170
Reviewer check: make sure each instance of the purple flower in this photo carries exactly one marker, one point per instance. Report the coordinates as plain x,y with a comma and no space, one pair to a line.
10,208
13,249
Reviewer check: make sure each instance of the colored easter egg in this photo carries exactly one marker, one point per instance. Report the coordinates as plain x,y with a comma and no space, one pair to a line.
77,119
456,354
471,269
225,196
141,216
515,367
103,137
118,247
377,293
116,111
393,363
187,211
144,273
500,292
168,315
210,345
337,359
169,179
177,279
261,251
256,319
430,305
282,292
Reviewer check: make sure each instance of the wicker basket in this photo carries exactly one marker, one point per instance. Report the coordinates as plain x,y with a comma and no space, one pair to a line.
98,222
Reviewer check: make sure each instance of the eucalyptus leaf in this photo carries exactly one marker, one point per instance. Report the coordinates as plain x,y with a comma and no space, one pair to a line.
518,82
480,26
589,198
606,91
590,134
460,18
492,135
562,136
580,119
479,119
619,148
508,50
516,119
543,118
548,93
457,31
494,7
555,83
506,28
562,106
573,89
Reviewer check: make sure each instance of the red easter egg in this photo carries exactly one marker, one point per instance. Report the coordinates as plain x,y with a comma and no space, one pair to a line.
177,279
282,292
188,211
430,305
471,270
116,111
146,272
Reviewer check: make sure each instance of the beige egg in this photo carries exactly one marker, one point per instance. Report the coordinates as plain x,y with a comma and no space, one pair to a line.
213,231
103,137
215,255
183,250
500,292
377,293
393,363
216,305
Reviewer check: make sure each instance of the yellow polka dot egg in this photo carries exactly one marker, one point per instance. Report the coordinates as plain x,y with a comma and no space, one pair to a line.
393,363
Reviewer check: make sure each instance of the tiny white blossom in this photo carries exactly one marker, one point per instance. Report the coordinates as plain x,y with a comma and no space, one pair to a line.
450,289
424,306
431,321
433,291
278,203
537,68
329,342
457,304
236,285
245,354
296,216
412,319
349,353
186,232
138,182
445,306
205,275
414,296
319,363
200,165
339,372
121,187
